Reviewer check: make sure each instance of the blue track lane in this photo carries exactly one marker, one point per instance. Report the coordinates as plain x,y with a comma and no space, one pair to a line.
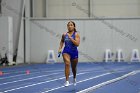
44,78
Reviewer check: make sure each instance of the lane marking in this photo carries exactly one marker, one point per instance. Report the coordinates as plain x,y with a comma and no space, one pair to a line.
108,82
78,82
28,79
38,83
30,73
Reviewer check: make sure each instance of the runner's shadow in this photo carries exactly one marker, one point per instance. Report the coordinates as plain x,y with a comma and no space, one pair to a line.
70,90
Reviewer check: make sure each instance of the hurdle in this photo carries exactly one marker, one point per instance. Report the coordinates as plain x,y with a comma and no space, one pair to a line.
135,56
51,57
119,56
107,55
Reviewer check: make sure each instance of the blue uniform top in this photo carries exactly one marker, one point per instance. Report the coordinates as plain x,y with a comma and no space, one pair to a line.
69,46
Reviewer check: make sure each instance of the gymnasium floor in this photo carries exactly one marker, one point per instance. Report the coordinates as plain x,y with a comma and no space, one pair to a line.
91,77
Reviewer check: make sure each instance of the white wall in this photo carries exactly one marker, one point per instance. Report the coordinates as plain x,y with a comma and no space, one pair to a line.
98,37
65,9
39,8
13,8
6,35
115,8
3,35
81,8
103,35
109,8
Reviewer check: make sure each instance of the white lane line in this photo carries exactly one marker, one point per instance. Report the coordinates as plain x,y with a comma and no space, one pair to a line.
30,73
24,69
46,71
34,78
41,71
38,83
101,69
108,82
28,78
77,82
